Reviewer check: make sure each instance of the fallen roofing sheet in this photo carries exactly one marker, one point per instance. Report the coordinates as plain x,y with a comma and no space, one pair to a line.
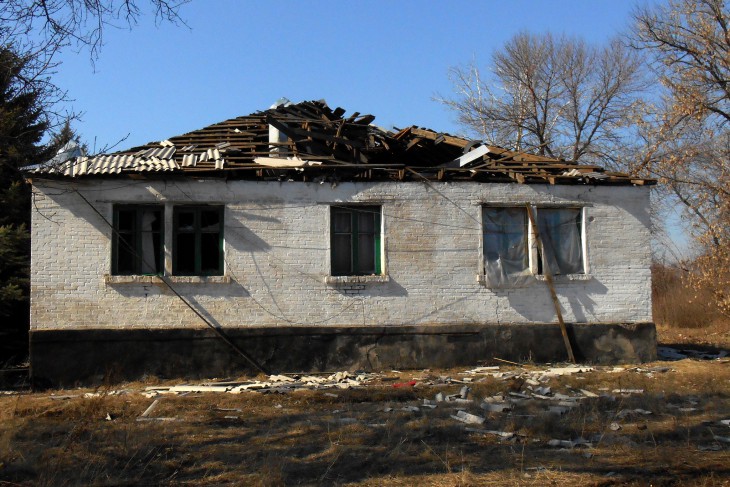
309,141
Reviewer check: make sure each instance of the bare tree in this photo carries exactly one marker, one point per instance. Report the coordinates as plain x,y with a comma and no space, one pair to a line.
558,97
688,132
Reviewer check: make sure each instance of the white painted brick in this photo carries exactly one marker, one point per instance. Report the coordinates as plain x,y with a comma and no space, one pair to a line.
277,251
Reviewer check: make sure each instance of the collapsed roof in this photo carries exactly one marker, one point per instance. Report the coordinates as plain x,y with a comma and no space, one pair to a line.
309,141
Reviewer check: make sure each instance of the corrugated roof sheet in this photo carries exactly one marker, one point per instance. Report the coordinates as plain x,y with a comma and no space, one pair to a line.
330,146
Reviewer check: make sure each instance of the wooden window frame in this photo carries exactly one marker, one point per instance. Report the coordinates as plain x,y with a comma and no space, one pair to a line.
138,233
355,267
198,232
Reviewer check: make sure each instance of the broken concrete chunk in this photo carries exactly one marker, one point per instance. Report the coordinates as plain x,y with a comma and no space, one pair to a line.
628,391
440,397
468,418
588,393
464,392
614,426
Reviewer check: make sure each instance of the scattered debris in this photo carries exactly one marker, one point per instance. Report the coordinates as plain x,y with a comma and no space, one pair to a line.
628,391
632,412
151,408
580,442
468,418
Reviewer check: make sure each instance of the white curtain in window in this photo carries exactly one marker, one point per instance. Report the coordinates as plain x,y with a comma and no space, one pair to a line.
506,261
560,230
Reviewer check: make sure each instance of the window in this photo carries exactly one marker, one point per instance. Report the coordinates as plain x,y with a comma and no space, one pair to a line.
510,253
561,232
137,244
197,241
356,241
506,254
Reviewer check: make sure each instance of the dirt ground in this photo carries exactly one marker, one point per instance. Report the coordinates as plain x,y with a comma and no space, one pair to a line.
662,423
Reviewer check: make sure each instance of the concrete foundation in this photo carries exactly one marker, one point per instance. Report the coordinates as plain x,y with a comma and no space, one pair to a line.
91,356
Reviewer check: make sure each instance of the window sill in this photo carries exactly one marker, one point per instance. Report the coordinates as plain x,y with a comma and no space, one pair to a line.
567,277
346,280
482,279
108,279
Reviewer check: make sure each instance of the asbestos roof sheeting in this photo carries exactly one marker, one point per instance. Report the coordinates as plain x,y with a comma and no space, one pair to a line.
338,147
108,164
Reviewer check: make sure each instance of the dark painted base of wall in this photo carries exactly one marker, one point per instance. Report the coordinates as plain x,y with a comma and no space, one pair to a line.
72,357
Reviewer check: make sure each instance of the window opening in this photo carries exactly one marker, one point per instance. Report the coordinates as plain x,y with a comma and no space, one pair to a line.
198,241
561,233
506,256
137,244
356,241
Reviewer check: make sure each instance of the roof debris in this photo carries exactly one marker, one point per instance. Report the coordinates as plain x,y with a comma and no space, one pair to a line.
316,143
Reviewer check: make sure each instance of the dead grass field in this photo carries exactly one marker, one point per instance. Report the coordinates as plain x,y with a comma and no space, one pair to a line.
372,436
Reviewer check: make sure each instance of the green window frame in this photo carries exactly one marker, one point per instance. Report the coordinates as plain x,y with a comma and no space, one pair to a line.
356,240
197,241
138,240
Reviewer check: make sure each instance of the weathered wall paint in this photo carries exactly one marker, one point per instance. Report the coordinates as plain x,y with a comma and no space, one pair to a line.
277,257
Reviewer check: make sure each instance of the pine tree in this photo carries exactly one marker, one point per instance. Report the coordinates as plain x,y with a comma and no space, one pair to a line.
22,128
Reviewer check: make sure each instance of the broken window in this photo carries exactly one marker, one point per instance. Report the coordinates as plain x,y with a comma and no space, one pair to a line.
197,241
137,245
561,233
356,241
506,256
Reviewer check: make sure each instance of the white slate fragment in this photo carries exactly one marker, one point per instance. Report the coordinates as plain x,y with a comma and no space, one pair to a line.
468,418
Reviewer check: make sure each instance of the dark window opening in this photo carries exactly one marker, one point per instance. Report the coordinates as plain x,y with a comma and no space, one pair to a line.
137,244
356,241
198,241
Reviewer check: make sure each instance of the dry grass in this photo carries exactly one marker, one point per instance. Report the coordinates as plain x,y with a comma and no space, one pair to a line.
310,438
684,315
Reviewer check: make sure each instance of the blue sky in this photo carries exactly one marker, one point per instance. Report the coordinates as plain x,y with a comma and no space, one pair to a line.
385,58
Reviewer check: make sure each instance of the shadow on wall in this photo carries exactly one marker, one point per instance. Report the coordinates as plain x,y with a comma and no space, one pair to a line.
390,289
233,289
534,303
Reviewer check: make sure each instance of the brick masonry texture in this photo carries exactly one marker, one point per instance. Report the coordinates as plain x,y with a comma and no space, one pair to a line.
277,256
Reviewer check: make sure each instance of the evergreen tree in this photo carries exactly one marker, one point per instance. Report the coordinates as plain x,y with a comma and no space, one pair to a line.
22,128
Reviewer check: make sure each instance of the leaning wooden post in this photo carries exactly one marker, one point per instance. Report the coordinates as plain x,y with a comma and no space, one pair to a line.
549,279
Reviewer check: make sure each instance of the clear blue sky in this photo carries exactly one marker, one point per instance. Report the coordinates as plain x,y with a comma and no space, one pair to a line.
384,58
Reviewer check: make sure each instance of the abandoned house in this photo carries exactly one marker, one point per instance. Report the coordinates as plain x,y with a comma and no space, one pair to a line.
302,239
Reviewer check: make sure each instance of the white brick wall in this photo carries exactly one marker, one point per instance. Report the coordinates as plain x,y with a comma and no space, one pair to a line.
277,254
